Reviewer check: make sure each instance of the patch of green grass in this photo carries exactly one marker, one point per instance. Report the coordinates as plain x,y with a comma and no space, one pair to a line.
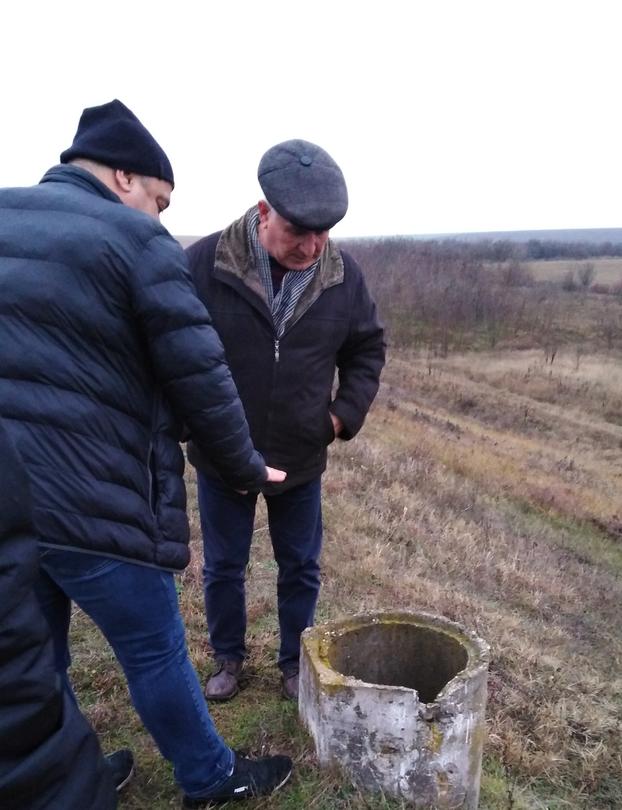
586,541
267,623
497,791
259,719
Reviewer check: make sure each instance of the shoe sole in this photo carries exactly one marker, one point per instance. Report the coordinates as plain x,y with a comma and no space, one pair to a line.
285,780
127,779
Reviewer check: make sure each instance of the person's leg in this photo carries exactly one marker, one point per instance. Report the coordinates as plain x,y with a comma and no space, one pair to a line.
295,520
227,525
136,609
56,608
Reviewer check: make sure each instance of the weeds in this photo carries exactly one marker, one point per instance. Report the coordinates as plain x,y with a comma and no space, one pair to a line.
483,489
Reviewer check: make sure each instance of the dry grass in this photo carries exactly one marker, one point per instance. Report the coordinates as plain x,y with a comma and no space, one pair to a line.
487,488
608,270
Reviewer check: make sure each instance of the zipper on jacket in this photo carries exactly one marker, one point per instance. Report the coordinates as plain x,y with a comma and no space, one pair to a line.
270,408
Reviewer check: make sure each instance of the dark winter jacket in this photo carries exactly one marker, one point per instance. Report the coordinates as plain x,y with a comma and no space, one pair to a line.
100,328
286,385
49,755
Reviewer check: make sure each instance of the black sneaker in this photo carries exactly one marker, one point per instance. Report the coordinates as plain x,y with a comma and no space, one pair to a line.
250,778
121,763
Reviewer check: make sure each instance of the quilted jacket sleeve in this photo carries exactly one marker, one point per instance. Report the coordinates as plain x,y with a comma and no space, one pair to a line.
189,362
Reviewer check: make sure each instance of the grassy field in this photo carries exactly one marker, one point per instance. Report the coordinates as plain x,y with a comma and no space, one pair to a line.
607,270
484,487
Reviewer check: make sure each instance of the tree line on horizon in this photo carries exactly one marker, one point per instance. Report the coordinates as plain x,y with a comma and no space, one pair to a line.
492,250
447,295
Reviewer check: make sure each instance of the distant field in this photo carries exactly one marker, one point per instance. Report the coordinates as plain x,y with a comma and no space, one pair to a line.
607,270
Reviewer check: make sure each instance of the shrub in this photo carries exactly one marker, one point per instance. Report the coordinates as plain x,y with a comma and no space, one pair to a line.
586,274
569,282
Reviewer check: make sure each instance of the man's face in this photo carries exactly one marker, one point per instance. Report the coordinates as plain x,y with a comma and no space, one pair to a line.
293,247
149,195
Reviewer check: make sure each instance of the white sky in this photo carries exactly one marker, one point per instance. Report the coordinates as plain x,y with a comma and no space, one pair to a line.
445,115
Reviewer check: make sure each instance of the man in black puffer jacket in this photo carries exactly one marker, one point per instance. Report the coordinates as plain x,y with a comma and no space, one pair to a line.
43,736
291,308
105,351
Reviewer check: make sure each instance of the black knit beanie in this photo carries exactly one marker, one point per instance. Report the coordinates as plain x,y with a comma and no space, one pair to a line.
111,134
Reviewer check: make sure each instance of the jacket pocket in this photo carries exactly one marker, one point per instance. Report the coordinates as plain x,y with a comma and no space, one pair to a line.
330,429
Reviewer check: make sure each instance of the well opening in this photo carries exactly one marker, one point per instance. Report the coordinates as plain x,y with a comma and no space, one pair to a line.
399,654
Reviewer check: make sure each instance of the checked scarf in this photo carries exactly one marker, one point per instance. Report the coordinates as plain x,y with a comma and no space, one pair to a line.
295,282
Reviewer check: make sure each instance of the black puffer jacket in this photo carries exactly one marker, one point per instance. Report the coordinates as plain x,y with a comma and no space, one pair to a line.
286,387
49,755
100,328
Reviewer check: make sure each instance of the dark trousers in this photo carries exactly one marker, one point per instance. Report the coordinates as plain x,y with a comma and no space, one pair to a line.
136,609
295,523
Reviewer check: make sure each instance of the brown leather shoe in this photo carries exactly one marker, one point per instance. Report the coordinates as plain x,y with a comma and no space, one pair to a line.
289,685
224,683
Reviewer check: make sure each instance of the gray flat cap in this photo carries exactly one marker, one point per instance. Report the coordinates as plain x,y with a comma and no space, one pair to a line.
303,184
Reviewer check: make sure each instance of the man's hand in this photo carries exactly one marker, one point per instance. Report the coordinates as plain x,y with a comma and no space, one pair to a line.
275,476
337,424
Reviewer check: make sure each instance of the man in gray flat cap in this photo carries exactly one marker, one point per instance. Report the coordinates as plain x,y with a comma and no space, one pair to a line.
290,308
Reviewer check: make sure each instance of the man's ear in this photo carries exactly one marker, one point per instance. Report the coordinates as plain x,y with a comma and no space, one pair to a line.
264,210
124,180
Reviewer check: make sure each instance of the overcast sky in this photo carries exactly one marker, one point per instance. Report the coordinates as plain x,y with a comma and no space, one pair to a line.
445,115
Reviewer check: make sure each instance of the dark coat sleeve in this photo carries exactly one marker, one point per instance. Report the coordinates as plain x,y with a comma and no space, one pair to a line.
360,359
189,362
49,755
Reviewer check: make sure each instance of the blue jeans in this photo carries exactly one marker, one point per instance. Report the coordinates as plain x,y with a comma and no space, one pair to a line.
136,609
295,523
